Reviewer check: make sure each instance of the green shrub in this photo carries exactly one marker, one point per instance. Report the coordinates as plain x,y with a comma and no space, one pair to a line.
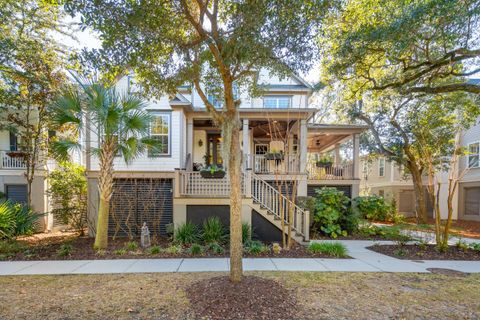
154,250
215,248
333,215
213,231
195,249
173,249
186,233
475,246
372,207
16,220
246,232
68,190
334,249
256,247
65,250
131,246
120,252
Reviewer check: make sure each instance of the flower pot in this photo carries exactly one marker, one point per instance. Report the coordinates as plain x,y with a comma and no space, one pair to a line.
274,156
215,175
325,165
16,154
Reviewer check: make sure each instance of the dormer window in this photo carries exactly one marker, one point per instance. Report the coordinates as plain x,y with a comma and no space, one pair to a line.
277,102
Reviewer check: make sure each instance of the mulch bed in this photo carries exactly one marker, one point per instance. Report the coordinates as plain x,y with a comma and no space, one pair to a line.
82,249
429,252
253,298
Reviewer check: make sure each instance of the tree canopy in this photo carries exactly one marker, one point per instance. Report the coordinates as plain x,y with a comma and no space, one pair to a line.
414,46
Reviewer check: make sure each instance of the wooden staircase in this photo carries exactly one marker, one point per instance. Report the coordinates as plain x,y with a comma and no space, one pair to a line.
274,207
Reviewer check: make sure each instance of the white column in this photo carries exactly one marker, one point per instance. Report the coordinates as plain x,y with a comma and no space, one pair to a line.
338,160
303,145
246,143
356,156
190,143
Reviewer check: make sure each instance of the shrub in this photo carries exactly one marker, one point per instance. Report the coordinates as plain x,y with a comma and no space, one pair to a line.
131,246
65,250
154,250
334,249
246,232
68,190
475,246
215,248
389,233
255,247
213,231
120,252
333,215
16,220
173,249
372,207
195,249
186,233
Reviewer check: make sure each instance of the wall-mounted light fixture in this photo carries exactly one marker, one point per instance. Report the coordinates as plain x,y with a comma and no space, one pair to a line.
200,142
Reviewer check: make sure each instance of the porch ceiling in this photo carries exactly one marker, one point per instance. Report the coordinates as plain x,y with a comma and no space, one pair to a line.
321,142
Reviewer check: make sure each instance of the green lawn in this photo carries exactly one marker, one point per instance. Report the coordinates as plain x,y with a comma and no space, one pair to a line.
320,295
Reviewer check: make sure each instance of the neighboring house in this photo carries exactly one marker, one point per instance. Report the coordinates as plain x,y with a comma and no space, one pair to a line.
467,199
386,179
13,183
165,187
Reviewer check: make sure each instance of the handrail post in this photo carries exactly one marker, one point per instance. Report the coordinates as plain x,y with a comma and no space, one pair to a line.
306,226
178,183
2,157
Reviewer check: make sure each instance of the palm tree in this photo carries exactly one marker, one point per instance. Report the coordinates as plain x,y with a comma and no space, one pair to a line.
121,126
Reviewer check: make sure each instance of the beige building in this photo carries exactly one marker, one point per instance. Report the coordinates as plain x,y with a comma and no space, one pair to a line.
385,178
279,142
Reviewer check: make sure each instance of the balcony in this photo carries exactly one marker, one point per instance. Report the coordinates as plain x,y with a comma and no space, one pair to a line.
262,164
333,172
11,160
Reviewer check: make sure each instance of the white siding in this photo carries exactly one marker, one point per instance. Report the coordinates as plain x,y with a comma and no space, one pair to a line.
4,140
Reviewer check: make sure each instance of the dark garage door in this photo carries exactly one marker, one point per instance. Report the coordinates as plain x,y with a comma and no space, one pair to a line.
16,192
347,190
135,201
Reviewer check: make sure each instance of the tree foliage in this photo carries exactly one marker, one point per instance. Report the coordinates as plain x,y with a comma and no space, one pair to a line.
422,46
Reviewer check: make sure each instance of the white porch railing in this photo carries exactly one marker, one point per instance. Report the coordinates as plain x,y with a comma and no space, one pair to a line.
259,163
279,205
192,184
7,162
333,172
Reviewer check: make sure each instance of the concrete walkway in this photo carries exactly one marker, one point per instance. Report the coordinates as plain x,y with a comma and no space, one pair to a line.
363,260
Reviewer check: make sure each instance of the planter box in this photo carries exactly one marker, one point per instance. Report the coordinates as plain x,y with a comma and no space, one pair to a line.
326,165
16,154
274,156
216,175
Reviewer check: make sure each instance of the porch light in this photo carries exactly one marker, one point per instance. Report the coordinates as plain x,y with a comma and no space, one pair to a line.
200,142
318,143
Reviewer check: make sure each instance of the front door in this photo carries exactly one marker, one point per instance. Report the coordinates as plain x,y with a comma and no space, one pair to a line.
214,153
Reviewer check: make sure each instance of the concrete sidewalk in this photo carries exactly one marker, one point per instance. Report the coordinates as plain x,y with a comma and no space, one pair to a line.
363,260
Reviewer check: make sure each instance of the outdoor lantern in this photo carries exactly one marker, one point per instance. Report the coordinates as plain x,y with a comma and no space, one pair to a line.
145,237
200,142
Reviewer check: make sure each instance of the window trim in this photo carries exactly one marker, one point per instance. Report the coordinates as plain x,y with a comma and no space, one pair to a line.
169,135
381,173
276,96
477,155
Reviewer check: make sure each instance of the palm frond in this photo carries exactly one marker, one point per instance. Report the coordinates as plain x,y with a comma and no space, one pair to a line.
67,108
61,148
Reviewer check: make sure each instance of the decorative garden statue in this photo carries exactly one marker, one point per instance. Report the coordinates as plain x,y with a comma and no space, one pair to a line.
145,237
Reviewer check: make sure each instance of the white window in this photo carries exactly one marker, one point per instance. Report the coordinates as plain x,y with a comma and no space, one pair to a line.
473,155
160,131
381,167
277,102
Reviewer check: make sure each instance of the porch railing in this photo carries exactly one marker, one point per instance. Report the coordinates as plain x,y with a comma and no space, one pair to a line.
194,185
333,172
279,205
8,162
260,163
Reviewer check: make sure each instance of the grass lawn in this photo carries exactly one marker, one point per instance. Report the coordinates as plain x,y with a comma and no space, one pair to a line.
320,296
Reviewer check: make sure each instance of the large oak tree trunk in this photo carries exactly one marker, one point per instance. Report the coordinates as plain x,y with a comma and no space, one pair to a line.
105,187
420,203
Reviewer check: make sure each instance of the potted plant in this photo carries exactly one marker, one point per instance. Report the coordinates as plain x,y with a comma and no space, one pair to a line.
325,162
274,155
17,154
212,172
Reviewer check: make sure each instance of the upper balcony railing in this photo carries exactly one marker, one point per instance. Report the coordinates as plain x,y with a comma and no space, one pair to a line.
273,163
11,160
330,172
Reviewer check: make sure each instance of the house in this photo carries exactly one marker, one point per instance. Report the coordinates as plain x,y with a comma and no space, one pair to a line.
281,147
13,182
387,179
